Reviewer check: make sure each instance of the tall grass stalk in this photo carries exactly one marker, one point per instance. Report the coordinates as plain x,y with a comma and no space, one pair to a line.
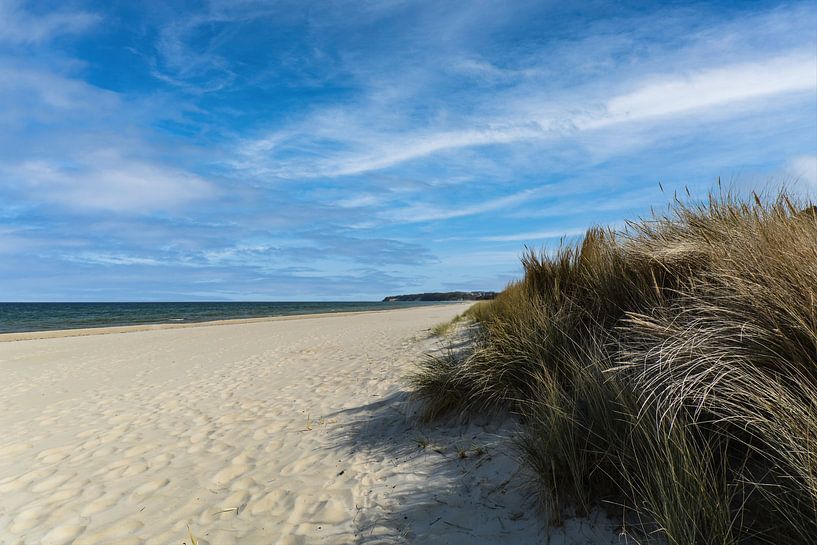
669,368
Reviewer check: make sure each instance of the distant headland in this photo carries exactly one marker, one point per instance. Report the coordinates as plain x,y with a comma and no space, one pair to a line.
443,296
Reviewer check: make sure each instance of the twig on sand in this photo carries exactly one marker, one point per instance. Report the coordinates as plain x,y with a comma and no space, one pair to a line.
458,526
501,485
193,539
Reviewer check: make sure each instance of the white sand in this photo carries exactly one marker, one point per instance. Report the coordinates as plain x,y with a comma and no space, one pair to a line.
262,432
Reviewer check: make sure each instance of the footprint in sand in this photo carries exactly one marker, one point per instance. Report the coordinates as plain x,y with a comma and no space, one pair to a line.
91,444
220,448
111,533
330,512
100,504
11,484
105,451
229,473
139,450
150,487
62,535
302,466
52,482
61,496
270,504
132,540
199,436
136,468
54,455
243,483
113,470
197,447
160,460
91,492
21,482
27,518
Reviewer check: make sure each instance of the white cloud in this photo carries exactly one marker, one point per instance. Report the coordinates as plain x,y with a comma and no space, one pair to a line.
483,258
367,150
28,94
352,141
423,212
11,243
115,259
359,201
108,181
399,151
804,170
721,86
19,27
488,72
536,235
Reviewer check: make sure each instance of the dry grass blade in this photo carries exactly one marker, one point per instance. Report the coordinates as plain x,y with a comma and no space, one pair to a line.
670,368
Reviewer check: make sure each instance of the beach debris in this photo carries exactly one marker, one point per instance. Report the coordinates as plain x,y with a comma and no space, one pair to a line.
458,526
193,540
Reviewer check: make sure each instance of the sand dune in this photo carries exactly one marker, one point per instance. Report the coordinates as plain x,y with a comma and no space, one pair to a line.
288,431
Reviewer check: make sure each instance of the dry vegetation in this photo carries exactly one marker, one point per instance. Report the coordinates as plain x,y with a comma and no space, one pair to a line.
668,370
446,328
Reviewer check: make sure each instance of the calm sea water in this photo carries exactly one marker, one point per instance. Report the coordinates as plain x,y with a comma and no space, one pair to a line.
18,317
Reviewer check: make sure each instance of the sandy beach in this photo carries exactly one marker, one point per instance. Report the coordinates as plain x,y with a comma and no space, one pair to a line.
262,432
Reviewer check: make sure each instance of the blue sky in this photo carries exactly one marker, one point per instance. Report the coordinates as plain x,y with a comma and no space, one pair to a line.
243,150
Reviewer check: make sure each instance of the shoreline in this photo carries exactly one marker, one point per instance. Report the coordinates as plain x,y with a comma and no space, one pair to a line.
109,330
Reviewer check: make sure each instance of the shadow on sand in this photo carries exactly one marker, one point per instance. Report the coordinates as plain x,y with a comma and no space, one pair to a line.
450,482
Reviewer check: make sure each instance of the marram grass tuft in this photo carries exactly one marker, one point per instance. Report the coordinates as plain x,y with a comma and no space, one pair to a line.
668,370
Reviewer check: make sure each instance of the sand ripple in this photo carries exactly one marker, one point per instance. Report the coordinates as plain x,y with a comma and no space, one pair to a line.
272,432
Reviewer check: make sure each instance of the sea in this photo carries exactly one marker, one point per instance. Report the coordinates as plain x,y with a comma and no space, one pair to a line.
22,317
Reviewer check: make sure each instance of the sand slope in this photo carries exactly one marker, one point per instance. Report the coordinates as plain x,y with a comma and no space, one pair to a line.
294,431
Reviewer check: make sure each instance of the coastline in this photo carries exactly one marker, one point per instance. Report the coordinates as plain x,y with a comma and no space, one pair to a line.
107,330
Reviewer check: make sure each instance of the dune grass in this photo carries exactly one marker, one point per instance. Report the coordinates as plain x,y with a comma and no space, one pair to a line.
668,370
445,328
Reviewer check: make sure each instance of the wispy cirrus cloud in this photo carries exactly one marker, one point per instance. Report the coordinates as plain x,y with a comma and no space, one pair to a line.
430,212
655,99
107,181
536,235
94,258
376,152
267,150
717,87
315,247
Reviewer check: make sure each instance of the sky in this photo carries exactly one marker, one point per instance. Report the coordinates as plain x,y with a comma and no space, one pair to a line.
348,150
